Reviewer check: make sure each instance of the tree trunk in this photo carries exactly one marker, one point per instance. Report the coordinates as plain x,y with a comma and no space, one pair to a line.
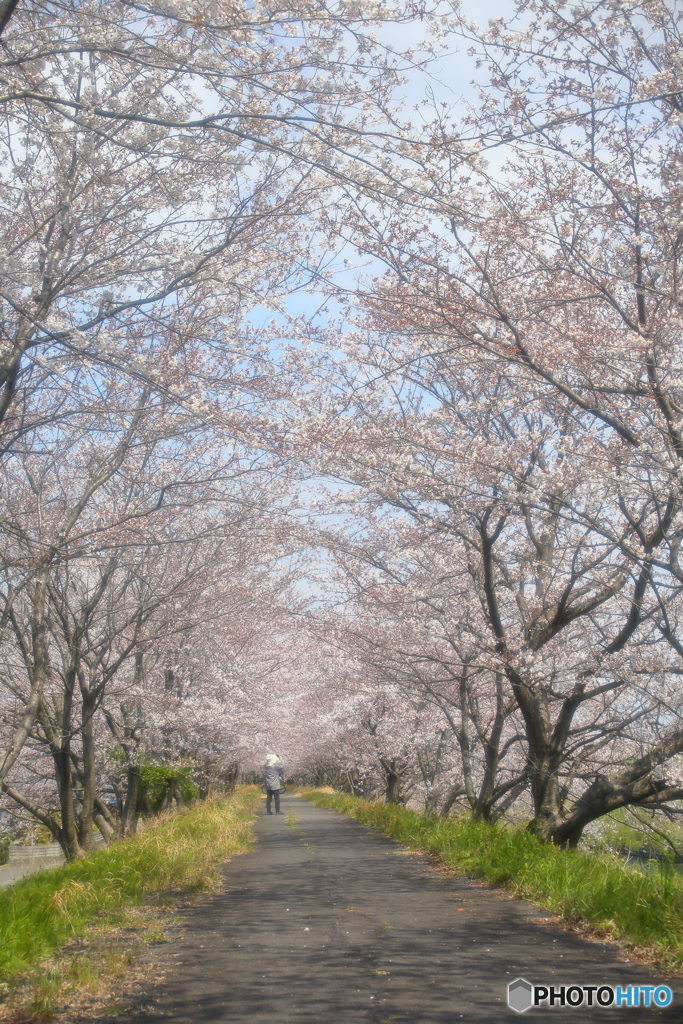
38,668
40,813
432,802
61,755
635,785
167,800
89,772
69,839
179,798
352,782
392,781
107,831
546,750
455,792
129,823
7,8
488,794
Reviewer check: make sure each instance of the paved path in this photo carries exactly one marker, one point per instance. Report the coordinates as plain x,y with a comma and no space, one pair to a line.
11,873
327,922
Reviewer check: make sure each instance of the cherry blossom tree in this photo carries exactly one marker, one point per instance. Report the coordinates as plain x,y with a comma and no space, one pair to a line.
157,164
515,383
129,522
411,620
485,607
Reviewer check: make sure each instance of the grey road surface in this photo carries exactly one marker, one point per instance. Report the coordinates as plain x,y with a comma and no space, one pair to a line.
11,873
327,922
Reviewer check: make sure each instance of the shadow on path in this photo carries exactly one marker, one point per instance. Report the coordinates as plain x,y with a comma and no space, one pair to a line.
328,922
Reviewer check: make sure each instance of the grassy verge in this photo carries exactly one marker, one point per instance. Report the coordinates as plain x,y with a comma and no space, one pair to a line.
125,888
643,910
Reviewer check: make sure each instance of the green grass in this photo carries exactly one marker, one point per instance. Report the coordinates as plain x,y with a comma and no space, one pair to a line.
644,910
43,912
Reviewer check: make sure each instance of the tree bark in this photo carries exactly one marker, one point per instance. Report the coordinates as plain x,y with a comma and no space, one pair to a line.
38,669
89,771
129,824
635,785
392,780
455,792
7,9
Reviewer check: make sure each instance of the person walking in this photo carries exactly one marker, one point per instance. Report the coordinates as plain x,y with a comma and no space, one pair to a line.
273,769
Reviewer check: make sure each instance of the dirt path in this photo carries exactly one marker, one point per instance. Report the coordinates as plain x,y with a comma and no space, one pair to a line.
328,922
